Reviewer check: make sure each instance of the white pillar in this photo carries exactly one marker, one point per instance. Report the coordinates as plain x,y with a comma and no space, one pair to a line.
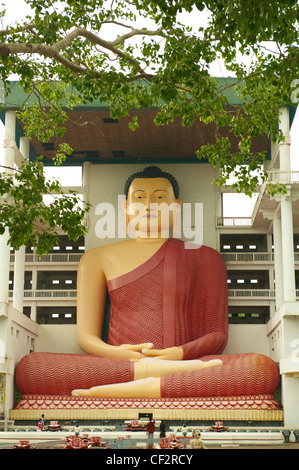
24,147
86,177
284,147
8,162
5,262
19,266
34,279
286,209
33,314
278,261
18,289
287,244
9,139
289,367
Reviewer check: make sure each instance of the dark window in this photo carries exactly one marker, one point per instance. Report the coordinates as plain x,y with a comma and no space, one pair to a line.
248,315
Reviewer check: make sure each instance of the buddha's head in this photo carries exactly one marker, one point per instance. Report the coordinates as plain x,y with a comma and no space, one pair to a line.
196,434
152,202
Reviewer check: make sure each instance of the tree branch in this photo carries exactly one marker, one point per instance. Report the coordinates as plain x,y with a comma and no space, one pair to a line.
30,27
54,50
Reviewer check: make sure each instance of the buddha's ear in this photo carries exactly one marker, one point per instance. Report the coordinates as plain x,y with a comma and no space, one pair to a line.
178,206
124,206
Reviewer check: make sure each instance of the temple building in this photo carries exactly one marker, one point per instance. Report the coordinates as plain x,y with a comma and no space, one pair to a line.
260,249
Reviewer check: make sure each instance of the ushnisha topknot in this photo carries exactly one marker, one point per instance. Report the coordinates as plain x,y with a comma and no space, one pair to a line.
153,172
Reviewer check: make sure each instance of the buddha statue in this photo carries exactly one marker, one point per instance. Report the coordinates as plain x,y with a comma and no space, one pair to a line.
196,442
168,321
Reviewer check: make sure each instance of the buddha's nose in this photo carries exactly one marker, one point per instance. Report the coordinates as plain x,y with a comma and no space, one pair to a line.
147,202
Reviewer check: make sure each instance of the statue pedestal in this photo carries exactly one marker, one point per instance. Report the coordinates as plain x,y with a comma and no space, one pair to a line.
248,408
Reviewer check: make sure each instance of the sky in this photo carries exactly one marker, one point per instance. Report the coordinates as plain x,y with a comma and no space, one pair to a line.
234,205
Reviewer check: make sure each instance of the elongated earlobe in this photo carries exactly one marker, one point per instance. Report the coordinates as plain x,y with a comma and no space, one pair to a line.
124,205
176,218
127,224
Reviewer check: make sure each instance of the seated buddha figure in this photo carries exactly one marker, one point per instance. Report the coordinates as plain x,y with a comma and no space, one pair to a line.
168,321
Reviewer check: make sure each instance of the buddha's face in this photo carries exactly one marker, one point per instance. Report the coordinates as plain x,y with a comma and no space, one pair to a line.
152,206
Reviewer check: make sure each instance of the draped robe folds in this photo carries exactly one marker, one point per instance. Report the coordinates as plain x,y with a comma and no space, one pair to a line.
176,298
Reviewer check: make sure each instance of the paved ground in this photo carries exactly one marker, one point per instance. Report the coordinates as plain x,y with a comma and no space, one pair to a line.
290,446
8,439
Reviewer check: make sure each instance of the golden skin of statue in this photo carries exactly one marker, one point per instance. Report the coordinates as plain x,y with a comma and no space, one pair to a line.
107,262
196,442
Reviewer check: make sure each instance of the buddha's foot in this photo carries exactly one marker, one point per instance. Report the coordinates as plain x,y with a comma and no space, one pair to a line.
138,388
81,392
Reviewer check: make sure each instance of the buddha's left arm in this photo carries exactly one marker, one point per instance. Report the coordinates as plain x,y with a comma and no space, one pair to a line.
210,344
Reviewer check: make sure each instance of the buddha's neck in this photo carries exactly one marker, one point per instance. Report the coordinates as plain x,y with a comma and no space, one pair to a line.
151,240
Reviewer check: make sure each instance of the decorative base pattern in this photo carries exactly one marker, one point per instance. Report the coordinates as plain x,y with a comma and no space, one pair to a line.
254,408
52,402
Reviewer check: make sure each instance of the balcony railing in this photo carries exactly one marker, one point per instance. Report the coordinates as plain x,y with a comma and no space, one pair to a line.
72,294
252,293
245,294
51,258
255,257
245,257
233,222
67,258
48,294
283,177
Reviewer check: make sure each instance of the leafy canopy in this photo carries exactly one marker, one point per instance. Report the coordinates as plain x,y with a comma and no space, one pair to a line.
160,53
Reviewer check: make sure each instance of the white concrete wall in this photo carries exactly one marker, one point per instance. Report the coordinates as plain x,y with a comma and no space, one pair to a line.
290,393
247,339
58,338
19,335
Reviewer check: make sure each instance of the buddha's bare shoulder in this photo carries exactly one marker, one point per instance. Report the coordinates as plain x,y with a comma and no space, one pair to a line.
106,252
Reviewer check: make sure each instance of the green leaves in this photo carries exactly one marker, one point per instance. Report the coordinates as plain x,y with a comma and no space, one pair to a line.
31,220
150,54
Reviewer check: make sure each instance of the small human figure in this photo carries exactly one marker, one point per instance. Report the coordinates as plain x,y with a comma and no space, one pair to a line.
43,420
151,428
196,442
40,425
162,428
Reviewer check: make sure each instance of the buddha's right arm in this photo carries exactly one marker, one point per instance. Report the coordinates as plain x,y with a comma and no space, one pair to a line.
92,344
91,299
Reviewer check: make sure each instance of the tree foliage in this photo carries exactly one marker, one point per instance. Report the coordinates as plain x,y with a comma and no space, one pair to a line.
27,216
145,53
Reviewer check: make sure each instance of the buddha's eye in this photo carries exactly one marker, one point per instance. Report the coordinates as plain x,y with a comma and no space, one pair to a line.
161,195
139,195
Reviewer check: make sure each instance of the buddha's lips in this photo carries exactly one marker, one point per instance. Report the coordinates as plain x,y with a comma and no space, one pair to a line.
149,216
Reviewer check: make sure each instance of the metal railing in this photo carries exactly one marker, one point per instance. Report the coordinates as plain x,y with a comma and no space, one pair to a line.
253,257
72,294
252,293
283,177
51,258
233,222
48,294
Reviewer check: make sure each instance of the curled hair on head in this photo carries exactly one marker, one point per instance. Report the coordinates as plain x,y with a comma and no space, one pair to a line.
153,172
